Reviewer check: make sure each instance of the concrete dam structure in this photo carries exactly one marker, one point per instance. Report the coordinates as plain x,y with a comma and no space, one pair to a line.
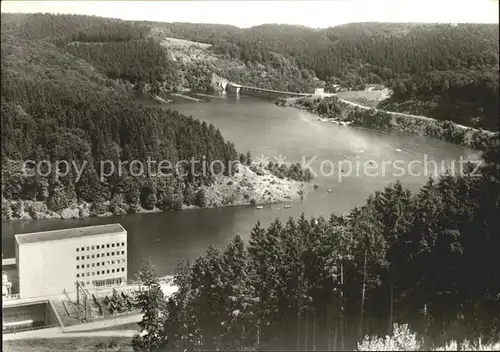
261,92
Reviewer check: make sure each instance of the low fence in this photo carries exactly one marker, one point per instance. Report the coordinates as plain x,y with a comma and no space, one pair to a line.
98,324
11,297
108,292
115,315
56,314
127,291
29,328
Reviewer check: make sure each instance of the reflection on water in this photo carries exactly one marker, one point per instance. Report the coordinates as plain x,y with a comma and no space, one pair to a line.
269,130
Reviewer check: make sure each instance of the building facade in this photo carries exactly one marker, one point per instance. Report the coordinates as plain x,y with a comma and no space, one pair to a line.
53,261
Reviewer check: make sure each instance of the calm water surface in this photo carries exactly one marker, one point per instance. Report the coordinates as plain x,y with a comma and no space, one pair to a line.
269,130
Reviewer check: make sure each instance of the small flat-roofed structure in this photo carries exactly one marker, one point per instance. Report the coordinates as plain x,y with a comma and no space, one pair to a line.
319,92
19,316
10,289
51,262
8,262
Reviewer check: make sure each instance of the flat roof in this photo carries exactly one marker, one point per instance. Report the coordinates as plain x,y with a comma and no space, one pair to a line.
8,261
56,235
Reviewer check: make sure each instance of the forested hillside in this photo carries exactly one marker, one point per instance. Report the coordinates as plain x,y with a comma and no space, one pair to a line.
449,72
426,259
365,52
339,111
58,107
117,49
136,52
65,29
63,75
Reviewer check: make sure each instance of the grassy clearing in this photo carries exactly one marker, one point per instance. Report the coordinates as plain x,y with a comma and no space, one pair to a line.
182,43
248,187
77,344
368,98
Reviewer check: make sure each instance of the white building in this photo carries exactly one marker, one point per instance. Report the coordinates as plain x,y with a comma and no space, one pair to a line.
53,261
319,91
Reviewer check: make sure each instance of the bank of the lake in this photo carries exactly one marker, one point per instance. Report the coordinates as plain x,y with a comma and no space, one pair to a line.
271,131
333,109
251,185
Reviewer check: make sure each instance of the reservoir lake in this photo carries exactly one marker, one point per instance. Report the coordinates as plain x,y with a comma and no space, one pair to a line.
270,133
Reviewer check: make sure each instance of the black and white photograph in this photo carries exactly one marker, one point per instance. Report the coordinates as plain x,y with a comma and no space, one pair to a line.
247,175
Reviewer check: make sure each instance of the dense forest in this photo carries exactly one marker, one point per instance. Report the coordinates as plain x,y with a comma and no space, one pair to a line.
65,29
57,107
449,72
428,259
332,107
360,52
444,71
468,97
134,61
118,49
63,99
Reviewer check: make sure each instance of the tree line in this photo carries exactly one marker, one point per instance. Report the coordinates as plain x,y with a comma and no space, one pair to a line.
445,71
427,259
74,113
126,50
448,72
445,129
63,29
469,97
138,62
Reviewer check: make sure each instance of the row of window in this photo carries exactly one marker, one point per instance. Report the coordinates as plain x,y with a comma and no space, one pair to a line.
112,262
102,246
99,255
106,282
101,272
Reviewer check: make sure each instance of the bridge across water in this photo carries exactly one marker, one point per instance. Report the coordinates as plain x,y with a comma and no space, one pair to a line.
270,93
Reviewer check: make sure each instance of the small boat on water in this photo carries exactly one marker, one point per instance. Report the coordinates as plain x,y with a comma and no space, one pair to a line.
260,207
288,206
398,150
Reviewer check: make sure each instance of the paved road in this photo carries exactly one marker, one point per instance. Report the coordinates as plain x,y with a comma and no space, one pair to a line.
400,113
57,333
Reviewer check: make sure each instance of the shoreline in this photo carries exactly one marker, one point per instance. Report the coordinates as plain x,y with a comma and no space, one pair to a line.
412,116
210,96
413,124
186,97
246,187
